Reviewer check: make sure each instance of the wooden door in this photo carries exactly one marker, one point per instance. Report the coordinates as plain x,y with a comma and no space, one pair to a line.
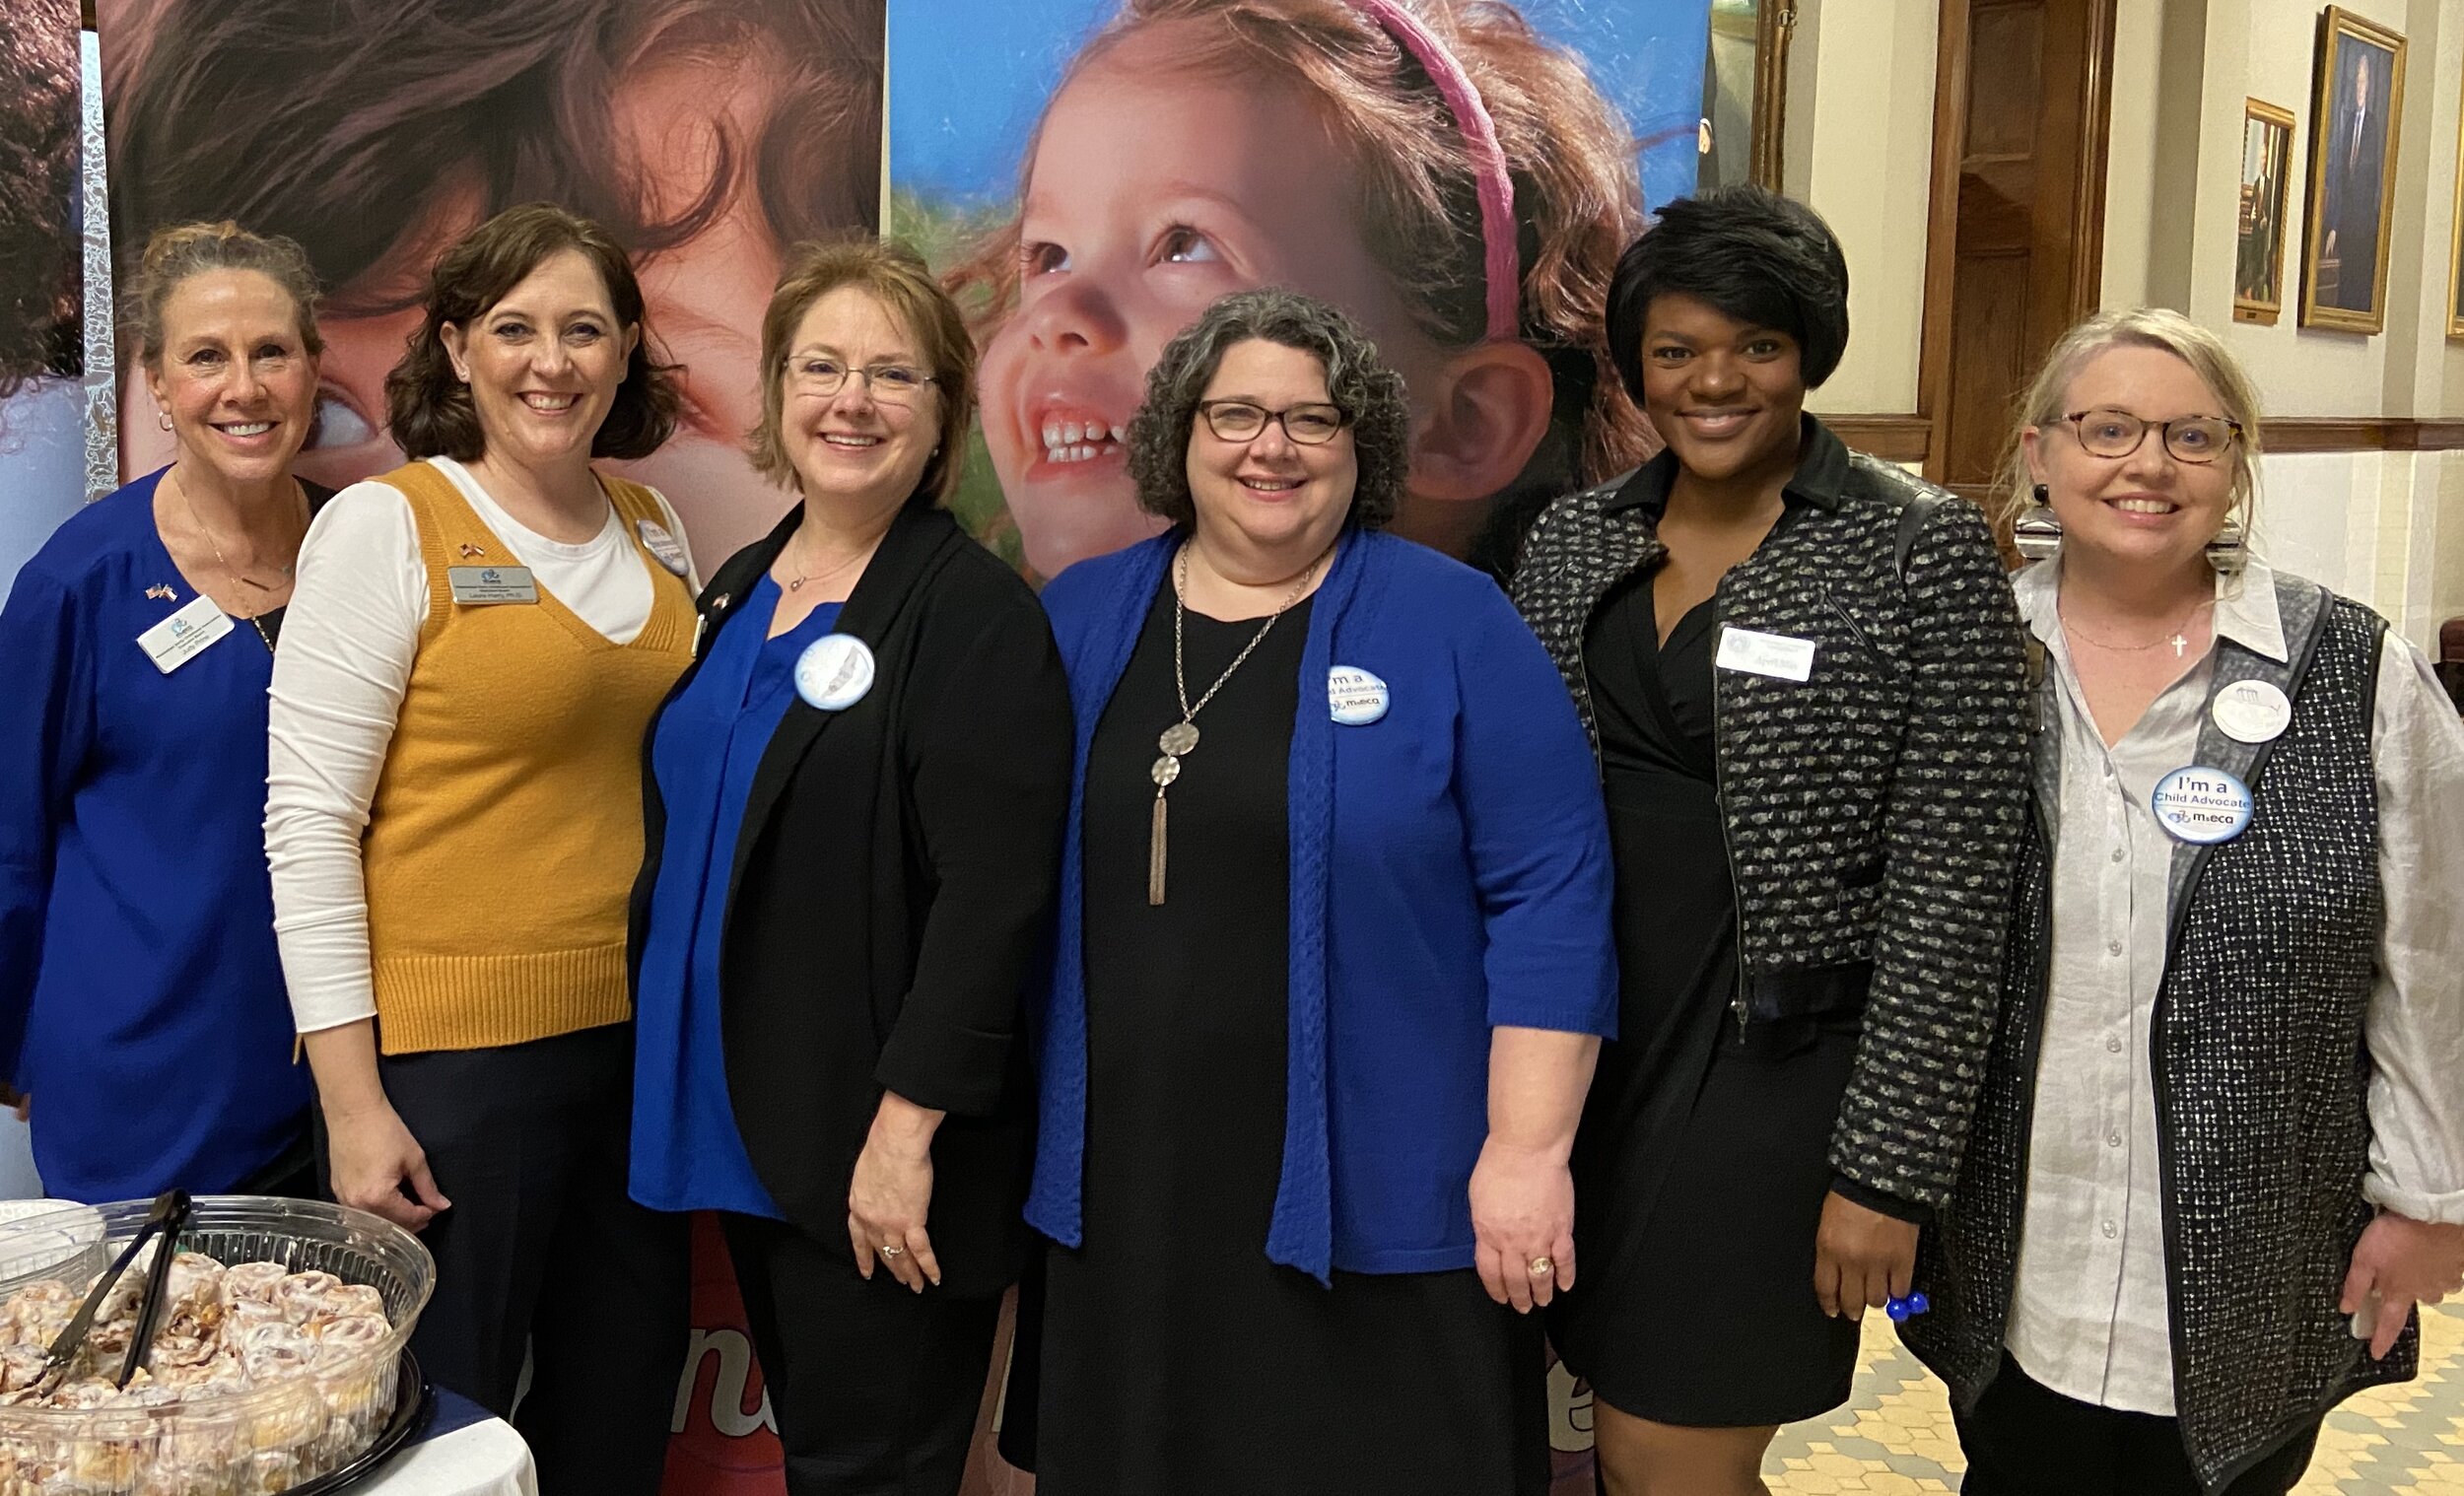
2014,251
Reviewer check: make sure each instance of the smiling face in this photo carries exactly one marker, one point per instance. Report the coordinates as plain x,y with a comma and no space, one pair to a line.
235,376
705,299
1725,395
2148,508
851,447
544,363
1153,191
1271,496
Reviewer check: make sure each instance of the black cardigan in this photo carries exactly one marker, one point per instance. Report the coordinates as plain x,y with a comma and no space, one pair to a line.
890,891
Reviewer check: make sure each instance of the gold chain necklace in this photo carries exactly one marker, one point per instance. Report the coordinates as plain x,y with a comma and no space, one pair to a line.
1178,739
256,620
2178,639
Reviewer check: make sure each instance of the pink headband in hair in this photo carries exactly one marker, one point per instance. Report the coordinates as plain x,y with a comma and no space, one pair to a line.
1490,181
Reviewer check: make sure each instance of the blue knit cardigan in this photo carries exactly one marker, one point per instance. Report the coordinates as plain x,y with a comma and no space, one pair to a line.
1450,874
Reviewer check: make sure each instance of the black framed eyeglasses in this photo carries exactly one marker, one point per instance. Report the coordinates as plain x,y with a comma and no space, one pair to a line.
1310,424
2118,434
821,377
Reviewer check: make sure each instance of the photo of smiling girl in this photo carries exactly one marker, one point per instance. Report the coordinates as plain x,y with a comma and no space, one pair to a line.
1452,174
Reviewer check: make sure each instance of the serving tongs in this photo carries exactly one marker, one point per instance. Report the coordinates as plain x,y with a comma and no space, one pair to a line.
167,1219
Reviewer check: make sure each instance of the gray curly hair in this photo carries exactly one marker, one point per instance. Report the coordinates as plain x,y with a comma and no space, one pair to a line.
1357,382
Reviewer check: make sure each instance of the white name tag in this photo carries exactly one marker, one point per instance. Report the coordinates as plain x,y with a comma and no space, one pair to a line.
180,637
487,585
1773,654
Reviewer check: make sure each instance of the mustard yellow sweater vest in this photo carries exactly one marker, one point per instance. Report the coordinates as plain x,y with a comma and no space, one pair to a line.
506,826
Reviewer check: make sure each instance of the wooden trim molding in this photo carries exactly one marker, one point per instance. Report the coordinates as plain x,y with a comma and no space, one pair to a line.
1893,439
1775,26
2362,433
1909,437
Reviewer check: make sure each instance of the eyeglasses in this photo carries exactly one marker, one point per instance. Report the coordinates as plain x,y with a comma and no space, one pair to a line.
1241,421
890,383
2118,434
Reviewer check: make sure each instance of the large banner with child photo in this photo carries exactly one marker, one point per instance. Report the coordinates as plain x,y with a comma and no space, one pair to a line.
1087,175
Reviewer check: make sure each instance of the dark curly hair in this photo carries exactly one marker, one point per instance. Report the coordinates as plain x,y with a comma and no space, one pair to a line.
1752,255
1357,380
42,264
430,409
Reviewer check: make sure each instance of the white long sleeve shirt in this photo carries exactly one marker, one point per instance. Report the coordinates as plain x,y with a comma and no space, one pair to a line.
349,640
2089,1314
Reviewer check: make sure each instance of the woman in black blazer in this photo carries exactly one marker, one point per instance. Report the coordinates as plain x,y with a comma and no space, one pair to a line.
854,804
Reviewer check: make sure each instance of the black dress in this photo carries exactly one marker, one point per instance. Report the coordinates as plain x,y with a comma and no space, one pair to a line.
1702,1162
1175,1359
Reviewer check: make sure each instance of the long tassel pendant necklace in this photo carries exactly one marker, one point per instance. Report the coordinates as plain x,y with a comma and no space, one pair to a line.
1178,739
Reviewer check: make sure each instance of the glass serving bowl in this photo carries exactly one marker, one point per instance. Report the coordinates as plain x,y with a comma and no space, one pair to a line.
254,1441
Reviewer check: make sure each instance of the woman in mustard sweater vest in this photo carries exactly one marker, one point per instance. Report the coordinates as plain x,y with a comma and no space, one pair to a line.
476,644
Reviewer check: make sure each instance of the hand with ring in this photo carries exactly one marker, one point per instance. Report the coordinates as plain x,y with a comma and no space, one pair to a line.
889,1196
1522,1225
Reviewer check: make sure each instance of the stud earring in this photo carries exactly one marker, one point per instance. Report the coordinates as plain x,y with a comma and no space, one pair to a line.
2037,534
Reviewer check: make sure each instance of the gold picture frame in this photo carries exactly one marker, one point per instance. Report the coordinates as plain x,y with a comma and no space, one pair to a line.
2267,165
2455,234
2355,133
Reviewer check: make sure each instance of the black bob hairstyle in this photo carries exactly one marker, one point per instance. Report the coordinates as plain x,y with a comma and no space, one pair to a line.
1752,255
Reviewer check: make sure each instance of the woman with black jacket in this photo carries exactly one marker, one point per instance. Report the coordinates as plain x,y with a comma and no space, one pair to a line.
854,805
1805,678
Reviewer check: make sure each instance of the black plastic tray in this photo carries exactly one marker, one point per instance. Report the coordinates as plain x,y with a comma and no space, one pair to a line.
414,1409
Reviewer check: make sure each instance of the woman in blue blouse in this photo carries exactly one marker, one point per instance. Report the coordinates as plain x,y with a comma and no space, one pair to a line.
1333,966
143,1020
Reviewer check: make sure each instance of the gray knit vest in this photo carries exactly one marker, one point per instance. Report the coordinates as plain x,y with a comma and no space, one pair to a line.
2260,1069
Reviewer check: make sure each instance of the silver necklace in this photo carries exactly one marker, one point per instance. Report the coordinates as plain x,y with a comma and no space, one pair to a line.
2180,639
1178,739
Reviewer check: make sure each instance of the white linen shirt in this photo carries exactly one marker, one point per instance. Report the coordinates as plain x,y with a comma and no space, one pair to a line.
2089,1312
349,641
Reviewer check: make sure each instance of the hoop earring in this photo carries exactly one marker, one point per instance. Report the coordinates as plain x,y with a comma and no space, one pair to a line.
2037,534
163,418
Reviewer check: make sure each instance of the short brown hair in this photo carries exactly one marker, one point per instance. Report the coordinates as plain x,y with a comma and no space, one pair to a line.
897,277
180,250
430,409
1368,393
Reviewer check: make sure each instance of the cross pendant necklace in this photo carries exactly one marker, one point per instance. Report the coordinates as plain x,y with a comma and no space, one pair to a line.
1178,739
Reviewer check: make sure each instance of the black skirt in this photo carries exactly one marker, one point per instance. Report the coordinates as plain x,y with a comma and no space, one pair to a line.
1174,1357
1702,1163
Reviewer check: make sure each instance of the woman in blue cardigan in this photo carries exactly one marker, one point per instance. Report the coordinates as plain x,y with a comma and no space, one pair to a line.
1332,968
143,1019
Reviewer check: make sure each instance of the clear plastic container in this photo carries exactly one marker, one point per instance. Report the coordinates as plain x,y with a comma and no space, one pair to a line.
265,1439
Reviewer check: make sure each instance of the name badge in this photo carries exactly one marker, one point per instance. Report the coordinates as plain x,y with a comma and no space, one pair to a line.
834,672
479,586
1354,698
184,635
1774,654
662,545
2201,805
2252,712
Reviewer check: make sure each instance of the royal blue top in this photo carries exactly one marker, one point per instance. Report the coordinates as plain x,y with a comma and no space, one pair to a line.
1450,874
141,1000
687,1153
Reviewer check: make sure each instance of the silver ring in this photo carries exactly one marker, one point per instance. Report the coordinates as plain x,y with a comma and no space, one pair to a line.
891,1250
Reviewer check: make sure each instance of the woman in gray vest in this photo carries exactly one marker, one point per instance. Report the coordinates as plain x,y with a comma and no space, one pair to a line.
2218,1157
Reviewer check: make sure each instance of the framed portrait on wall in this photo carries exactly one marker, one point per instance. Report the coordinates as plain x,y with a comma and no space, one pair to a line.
2356,101
2266,182
2455,232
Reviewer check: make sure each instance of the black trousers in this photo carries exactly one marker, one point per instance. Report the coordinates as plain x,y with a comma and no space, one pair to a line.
543,1251
2026,1439
875,1386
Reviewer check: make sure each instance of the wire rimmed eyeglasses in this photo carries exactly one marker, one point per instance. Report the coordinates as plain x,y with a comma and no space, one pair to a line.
890,383
1310,424
2118,434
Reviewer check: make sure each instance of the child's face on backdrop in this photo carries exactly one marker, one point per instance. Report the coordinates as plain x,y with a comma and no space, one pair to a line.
1153,191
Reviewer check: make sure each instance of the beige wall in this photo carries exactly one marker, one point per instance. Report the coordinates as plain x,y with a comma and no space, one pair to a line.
2385,527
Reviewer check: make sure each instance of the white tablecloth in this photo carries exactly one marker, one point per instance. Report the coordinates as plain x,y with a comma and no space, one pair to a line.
484,1460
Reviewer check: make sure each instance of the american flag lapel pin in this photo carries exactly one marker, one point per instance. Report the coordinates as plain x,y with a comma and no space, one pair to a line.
469,549
162,590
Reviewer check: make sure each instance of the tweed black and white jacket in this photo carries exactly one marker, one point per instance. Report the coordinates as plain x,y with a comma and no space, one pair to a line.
1873,810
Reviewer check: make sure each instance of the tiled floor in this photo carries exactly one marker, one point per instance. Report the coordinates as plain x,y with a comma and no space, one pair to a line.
1894,1436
